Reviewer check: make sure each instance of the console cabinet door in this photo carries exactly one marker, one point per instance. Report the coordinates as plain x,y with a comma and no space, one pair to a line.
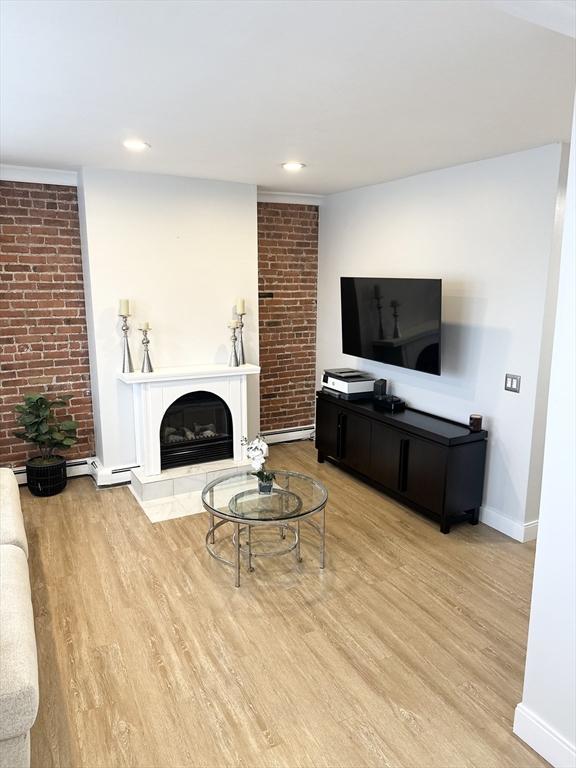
423,473
328,420
385,454
356,441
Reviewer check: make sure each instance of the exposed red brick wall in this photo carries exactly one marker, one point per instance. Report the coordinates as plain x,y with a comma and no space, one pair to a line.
287,285
43,339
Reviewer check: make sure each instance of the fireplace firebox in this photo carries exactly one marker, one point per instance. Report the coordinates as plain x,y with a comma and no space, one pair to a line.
196,428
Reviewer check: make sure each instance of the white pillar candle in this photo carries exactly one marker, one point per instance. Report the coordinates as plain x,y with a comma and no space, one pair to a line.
145,326
124,307
240,306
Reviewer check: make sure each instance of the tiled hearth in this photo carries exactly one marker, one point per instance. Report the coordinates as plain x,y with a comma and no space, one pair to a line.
169,493
177,492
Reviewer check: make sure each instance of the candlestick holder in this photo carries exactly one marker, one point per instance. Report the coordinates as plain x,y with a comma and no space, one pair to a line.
127,365
146,362
233,363
378,301
241,357
395,314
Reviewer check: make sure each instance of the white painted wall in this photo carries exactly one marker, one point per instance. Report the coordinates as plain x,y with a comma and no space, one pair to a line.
546,718
486,229
182,250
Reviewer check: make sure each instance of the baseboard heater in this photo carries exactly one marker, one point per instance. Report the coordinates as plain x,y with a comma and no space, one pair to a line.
289,434
20,472
121,469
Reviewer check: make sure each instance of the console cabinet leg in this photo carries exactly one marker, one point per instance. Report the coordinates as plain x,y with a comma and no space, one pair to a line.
444,525
474,520
321,457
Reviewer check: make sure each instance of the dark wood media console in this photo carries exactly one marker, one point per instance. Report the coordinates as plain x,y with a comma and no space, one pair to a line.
429,463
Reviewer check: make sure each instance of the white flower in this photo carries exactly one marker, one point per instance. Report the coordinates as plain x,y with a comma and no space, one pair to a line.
258,463
256,451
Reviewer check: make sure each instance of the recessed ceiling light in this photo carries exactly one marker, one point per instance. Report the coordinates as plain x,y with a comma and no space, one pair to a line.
293,165
136,145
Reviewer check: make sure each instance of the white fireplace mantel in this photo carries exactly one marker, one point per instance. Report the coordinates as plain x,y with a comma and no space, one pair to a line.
154,392
188,372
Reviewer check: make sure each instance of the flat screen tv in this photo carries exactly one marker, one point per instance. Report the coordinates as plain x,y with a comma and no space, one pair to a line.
396,321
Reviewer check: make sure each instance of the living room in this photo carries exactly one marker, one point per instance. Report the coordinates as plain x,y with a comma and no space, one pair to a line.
234,557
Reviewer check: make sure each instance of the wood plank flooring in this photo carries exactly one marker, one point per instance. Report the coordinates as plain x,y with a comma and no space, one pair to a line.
406,652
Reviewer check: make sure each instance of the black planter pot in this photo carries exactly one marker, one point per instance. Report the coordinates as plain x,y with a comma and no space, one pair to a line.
46,479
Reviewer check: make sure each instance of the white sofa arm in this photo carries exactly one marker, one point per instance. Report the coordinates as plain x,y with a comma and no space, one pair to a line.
11,522
18,660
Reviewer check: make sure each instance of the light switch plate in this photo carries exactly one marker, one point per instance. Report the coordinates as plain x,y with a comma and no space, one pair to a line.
512,382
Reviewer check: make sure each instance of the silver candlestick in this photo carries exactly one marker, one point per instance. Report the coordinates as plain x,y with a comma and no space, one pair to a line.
127,366
241,358
233,354
146,363
394,305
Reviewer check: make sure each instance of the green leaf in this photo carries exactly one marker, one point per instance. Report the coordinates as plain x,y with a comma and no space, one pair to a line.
68,425
39,425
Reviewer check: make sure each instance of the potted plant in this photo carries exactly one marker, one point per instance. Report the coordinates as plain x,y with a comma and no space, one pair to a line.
45,474
256,451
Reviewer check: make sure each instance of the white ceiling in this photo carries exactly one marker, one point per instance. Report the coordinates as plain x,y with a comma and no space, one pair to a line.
362,92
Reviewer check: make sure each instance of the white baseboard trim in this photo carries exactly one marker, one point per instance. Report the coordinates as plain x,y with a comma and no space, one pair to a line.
288,435
91,466
104,476
544,739
519,531
74,468
530,530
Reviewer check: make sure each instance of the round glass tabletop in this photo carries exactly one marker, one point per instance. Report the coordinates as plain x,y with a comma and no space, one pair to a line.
236,497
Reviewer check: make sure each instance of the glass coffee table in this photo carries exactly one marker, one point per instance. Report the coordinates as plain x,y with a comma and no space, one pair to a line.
235,499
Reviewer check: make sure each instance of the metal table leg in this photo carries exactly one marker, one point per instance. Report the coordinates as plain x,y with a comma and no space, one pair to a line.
298,555
211,516
323,537
237,554
211,527
250,568
281,527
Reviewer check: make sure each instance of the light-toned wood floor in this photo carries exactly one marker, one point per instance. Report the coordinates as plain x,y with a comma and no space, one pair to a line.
407,651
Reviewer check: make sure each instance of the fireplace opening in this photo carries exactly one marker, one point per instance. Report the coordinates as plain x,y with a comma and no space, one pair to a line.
196,428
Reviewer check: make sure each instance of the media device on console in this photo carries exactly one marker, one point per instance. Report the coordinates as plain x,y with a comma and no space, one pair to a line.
348,383
390,404
384,401
380,387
